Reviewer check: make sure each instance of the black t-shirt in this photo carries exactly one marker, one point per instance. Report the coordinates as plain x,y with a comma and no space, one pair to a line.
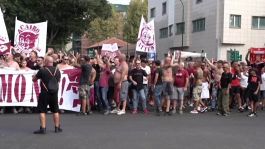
226,79
97,69
258,67
253,83
45,76
159,71
137,75
86,70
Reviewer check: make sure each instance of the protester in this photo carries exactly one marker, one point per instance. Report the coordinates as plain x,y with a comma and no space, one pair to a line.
223,97
121,82
84,85
47,95
137,77
253,89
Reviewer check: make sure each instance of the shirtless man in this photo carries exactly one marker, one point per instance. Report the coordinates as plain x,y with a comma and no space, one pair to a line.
198,76
65,63
10,64
168,80
121,82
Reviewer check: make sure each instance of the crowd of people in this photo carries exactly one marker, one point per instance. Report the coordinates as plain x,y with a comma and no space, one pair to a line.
166,86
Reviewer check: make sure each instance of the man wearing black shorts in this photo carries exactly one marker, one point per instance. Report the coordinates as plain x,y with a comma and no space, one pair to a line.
46,98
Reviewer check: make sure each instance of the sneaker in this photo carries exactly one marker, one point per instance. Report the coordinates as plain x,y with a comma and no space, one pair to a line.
27,110
218,113
204,109
174,111
121,112
114,111
2,111
194,112
40,131
134,111
58,129
226,114
82,114
15,111
20,110
146,111
240,109
252,114
180,112
107,112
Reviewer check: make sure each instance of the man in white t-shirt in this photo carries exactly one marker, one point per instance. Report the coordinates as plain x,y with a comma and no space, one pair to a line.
144,64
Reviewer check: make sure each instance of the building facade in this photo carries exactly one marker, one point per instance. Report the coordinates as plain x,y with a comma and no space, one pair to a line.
214,26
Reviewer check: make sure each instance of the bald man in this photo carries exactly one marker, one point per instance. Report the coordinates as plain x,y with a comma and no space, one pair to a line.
121,82
46,97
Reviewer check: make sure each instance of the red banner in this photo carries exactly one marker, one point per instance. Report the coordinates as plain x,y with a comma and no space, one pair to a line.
254,52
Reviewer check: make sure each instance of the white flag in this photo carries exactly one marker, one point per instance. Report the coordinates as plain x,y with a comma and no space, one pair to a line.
29,37
3,32
146,37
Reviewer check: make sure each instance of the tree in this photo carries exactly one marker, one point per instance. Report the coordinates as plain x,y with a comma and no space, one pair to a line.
64,16
136,10
100,29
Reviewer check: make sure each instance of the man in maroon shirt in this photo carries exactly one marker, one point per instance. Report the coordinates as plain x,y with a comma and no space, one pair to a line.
180,86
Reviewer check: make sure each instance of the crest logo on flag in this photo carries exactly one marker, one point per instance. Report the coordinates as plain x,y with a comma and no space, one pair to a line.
27,37
146,37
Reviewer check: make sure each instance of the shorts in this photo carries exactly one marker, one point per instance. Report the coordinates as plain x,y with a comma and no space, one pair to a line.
178,93
235,90
167,88
84,92
253,97
196,93
46,99
124,90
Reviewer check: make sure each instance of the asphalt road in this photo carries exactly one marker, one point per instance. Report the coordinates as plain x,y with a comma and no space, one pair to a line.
187,131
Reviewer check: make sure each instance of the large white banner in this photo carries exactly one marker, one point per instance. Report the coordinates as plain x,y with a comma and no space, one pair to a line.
30,36
17,89
4,40
146,37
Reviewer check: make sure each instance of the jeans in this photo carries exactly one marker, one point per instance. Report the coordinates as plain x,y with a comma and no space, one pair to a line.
136,95
97,95
146,90
158,96
104,97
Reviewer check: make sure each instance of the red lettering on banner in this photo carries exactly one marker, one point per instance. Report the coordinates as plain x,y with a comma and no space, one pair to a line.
4,86
74,77
62,90
9,89
76,102
36,88
22,88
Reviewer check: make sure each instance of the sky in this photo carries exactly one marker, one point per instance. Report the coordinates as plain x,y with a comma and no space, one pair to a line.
124,2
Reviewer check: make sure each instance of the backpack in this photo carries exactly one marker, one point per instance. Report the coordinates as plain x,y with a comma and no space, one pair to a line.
52,86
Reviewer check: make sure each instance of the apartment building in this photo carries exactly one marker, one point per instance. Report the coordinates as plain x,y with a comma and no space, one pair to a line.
214,26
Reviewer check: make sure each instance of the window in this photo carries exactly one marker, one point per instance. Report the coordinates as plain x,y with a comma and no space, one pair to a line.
180,27
170,30
235,21
164,8
198,1
198,25
152,13
164,32
258,22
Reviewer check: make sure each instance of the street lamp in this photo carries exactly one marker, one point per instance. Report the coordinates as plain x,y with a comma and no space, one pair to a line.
182,32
